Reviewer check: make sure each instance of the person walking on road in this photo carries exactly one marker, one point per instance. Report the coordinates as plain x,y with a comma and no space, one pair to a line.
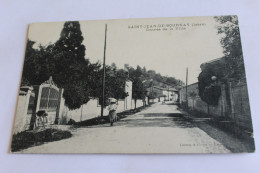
112,110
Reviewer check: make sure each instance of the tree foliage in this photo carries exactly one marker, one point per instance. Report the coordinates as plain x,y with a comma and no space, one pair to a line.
72,71
138,87
37,68
137,76
207,85
211,94
157,78
209,90
229,30
114,83
71,41
65,62
230,66
81,80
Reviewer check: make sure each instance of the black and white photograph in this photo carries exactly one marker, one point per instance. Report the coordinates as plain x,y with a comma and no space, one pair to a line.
134,86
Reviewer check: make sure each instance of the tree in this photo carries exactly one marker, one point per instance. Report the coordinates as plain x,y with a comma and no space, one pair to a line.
115,83
144,70
129,69
71,40
72,70
230,66
138,90
231,43
120,81
138,86
209,90
36,70
37,67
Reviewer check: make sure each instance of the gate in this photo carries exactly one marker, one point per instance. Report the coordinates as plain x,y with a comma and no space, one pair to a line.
48,96
49,99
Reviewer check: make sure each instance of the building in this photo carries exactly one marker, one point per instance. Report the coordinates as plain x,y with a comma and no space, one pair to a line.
162,94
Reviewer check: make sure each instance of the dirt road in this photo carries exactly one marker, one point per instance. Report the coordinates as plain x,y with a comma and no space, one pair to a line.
160,128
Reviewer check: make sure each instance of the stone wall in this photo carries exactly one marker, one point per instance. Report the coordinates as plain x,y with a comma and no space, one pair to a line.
233,103
240,105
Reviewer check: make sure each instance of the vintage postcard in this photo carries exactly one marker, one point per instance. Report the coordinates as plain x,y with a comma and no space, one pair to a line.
163,85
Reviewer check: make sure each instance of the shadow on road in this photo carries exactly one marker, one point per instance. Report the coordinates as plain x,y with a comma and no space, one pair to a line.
157,120
178,115
214,128
170,103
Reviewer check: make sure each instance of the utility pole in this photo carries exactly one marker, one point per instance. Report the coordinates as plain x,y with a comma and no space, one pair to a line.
152,91
81,113
187,85
168,93
104,74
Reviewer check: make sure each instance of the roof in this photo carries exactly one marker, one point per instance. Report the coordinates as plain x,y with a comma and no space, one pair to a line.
167,89
196,83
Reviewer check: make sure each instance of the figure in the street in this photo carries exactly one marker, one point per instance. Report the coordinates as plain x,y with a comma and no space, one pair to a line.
112,110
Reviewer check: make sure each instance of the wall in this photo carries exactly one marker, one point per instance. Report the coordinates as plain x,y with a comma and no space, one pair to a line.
91,110
21,117
128,99
232,104
139,103
24,111
240,105
86,111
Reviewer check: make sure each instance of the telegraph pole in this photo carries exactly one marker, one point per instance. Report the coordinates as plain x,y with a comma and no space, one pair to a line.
152,91
104,74
168,93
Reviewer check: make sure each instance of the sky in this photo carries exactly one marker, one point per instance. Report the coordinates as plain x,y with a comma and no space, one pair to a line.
166,45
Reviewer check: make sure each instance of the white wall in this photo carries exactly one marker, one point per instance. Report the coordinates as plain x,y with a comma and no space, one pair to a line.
128,89
92,110
21,117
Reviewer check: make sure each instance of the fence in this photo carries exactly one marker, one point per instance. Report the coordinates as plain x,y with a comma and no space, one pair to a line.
49,96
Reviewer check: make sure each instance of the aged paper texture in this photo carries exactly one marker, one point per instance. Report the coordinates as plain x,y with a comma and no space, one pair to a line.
163,85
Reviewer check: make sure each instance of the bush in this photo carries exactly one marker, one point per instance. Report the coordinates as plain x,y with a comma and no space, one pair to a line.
211,94
27,139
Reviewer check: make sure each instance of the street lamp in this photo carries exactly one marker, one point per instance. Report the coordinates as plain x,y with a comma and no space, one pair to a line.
214,78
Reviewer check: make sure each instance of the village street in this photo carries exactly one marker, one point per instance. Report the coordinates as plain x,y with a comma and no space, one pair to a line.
161,128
